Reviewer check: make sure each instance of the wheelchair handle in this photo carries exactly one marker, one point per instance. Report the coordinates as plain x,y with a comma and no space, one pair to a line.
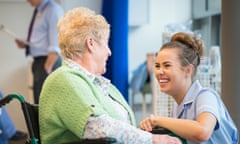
10,97
5,100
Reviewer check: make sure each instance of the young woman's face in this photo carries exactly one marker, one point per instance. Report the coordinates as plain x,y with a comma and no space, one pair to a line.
171,76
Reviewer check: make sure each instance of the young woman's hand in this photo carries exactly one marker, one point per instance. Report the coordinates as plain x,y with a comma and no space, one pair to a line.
148,123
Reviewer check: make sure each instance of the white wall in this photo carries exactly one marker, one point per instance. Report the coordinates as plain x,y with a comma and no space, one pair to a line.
148,38
95,5
15,75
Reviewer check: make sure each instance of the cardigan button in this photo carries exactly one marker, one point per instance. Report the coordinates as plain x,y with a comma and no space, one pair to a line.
92,105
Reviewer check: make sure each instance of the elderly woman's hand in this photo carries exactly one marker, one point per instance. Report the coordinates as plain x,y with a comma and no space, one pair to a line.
165,139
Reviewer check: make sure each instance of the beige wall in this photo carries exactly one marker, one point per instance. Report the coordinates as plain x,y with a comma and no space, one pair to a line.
14,75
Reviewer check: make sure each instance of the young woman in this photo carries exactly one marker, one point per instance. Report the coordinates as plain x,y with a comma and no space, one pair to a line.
199,115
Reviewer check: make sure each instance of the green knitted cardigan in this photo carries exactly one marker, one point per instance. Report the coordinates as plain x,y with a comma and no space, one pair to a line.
68,98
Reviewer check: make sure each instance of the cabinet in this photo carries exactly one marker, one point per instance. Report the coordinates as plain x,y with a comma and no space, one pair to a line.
204,8
206,15
210,30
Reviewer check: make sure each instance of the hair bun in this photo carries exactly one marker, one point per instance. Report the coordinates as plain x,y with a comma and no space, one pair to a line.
191,41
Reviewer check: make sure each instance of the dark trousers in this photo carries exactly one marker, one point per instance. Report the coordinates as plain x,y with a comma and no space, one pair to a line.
39,74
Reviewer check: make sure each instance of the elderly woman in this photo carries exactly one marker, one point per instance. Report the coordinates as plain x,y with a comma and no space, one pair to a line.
76,102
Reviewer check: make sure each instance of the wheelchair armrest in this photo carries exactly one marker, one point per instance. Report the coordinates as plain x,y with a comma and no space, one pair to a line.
160,130
105,140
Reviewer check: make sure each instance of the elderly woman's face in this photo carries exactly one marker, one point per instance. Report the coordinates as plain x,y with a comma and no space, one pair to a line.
101,54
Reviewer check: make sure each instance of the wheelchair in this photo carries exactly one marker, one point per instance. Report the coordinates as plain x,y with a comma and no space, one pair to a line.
30,112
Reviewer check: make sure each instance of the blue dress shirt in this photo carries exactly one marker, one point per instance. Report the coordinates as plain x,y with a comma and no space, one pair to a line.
44,36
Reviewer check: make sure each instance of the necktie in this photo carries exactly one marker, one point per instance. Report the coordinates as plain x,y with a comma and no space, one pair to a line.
30,31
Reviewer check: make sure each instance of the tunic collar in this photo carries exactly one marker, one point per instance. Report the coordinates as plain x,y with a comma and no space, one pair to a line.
189,98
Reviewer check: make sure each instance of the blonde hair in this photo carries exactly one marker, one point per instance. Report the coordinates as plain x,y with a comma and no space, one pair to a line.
76,26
